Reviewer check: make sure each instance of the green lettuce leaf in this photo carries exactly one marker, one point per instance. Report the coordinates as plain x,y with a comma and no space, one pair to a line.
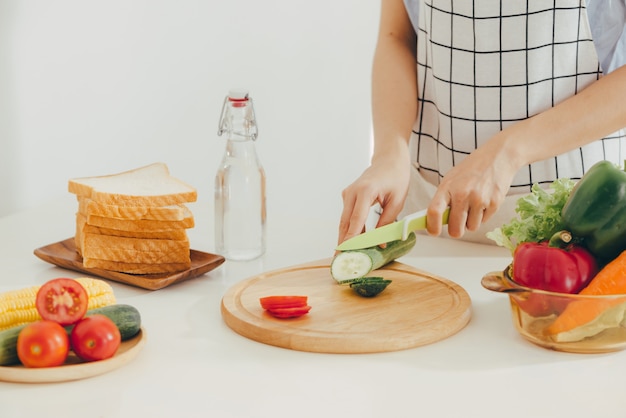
538,215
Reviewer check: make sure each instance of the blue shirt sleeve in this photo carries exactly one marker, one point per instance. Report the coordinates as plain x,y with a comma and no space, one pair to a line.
413,10
607,20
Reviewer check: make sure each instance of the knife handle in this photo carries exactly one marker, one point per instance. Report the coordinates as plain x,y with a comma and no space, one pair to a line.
420,222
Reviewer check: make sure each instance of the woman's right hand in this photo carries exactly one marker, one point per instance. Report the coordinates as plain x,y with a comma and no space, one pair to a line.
394,107
386,182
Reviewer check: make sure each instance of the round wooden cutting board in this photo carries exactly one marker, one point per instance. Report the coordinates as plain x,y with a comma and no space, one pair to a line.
416,309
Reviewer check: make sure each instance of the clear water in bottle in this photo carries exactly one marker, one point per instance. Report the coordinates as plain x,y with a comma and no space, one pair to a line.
240,211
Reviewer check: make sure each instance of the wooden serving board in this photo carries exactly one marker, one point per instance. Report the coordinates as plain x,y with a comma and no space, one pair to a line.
64,254
417,308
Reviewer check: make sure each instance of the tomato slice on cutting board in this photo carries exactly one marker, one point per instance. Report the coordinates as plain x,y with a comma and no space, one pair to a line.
289,312
62,300
279,302
285,306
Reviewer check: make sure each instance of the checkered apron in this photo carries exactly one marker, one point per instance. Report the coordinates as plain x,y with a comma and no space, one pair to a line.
485,64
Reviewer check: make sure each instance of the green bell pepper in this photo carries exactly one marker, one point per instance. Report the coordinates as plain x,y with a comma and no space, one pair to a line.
596,210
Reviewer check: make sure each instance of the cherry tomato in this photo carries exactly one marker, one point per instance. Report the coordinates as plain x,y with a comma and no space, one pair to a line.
271,302
95,337
289,312
43,344
62,300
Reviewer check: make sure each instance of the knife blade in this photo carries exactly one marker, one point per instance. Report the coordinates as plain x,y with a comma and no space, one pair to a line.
390,232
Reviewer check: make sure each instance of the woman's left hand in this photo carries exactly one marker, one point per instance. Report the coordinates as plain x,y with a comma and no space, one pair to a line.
474,189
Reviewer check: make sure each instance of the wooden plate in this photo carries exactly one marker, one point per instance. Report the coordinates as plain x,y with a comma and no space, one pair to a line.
64,254
73,369
417,308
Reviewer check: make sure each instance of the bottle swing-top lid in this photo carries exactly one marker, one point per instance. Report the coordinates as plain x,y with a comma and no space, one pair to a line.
238,98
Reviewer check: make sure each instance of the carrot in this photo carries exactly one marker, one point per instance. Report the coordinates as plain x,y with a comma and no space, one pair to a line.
579,313
611,280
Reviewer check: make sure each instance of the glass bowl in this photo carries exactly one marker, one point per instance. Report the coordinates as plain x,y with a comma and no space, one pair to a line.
561,321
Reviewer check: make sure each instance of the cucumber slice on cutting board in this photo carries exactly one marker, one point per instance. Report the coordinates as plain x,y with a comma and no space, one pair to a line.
369,287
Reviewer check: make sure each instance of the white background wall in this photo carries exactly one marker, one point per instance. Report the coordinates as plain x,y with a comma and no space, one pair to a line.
98,87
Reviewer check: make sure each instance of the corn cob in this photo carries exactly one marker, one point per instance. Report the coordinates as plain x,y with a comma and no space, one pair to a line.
17,307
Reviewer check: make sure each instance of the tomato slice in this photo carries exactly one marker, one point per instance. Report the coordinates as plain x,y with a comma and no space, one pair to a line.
289,312
43,344
62,300
277,302
95,337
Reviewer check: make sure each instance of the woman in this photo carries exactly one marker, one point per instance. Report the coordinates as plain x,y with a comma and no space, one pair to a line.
506,93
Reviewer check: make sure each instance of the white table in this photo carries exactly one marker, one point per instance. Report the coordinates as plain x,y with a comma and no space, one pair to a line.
193,365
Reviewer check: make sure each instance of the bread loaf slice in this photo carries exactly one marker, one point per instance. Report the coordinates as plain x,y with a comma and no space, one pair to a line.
95,236
151,185
140,225
138,244
88,207
136,256
136,268
83,227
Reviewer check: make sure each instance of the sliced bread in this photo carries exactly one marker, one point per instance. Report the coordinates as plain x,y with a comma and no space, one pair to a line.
87,206
136,268
136,256
84,239
151,185
83,227
134,222
140,225
137,244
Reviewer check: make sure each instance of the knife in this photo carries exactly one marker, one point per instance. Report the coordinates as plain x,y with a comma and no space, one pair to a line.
390,232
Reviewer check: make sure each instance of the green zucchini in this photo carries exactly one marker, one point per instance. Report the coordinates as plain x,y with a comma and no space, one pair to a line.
369,286
126,317
348,266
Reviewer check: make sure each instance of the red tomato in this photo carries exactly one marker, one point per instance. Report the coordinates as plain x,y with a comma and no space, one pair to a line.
273,302
289,312
43,344
95,337
62,300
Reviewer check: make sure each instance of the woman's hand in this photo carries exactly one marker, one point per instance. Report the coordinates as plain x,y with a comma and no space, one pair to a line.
394,106
474,189
385,182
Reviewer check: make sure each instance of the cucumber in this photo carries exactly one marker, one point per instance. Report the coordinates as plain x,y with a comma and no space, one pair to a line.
126,317
369,287
8,345
347,266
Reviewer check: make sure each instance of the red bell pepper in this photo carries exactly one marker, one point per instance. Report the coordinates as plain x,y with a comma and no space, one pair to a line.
556,265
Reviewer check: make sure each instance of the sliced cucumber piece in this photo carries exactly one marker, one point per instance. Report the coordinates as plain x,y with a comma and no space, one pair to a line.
354,264
369,286
350,265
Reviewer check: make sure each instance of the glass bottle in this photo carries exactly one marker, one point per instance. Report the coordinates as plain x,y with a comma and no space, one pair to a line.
240,183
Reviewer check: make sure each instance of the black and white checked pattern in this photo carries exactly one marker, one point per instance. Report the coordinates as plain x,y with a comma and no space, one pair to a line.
485,64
